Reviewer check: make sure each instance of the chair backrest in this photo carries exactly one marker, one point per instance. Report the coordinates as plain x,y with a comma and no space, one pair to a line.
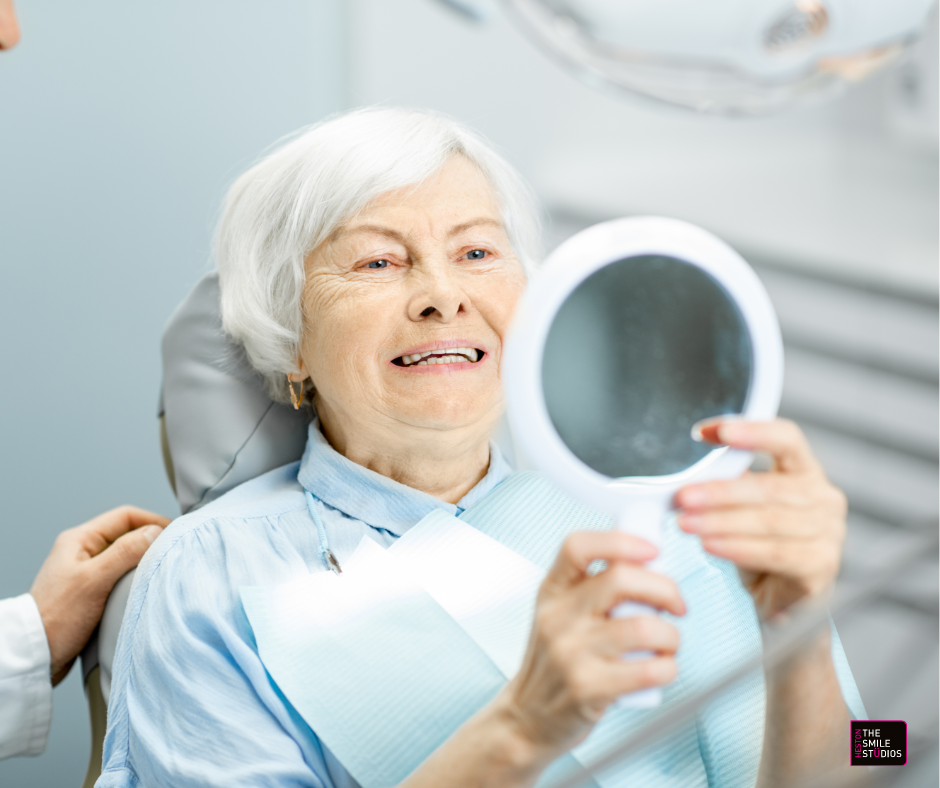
97,661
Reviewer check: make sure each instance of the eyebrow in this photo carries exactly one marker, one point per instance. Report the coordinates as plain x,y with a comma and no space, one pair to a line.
483,220
389,232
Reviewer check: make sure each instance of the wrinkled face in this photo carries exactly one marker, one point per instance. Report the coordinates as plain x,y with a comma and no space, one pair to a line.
406,307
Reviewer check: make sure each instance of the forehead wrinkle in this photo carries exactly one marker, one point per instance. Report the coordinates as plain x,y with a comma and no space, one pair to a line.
389,232
479,222
366,229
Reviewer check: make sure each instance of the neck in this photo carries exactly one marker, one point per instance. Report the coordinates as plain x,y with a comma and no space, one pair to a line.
444,463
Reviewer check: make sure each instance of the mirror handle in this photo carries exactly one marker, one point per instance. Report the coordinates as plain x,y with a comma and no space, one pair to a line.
643,516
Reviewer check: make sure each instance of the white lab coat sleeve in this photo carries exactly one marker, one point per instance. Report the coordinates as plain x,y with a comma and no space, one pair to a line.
25,686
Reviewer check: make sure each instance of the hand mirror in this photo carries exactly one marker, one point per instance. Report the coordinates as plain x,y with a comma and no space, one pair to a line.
631,333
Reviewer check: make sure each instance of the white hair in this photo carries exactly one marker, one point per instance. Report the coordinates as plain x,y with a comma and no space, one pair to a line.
294,198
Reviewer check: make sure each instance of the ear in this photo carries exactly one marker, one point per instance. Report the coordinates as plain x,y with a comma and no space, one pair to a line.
301,374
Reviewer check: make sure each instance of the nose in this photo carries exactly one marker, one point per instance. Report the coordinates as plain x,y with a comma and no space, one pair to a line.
438,295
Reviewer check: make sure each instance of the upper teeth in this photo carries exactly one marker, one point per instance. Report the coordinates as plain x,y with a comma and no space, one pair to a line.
450,355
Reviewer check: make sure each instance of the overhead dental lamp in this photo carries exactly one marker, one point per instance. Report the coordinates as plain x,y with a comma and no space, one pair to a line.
718,56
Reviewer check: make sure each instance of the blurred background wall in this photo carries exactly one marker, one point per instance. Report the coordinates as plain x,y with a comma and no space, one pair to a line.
121,125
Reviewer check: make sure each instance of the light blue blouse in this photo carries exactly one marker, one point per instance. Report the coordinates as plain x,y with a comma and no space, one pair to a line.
191,702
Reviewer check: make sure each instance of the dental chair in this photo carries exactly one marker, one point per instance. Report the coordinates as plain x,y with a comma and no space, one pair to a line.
218,429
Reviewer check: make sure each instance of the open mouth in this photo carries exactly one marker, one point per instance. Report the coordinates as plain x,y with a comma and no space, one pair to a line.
448,355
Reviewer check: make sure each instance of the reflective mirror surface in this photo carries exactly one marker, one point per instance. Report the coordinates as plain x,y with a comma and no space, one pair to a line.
639,352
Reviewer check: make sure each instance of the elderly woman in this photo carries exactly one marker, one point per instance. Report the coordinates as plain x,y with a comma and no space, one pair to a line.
370,267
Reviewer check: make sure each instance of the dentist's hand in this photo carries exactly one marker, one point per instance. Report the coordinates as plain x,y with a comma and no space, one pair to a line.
574,666
74,582
783,528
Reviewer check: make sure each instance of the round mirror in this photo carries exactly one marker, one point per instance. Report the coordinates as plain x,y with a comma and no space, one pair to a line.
633,331
630,333
639,352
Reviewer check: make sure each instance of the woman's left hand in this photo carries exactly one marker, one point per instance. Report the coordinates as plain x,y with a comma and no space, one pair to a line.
784,528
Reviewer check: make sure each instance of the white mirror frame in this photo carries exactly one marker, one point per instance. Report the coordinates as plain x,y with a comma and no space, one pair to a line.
574,261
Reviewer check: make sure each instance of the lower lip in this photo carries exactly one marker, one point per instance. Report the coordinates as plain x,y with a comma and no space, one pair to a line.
441,369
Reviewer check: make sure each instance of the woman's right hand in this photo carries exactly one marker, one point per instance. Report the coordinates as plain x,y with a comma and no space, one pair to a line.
574,666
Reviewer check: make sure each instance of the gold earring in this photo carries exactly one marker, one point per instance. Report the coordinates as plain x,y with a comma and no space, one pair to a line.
295,400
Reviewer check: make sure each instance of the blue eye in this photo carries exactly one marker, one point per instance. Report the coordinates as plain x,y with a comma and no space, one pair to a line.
377,265
476,254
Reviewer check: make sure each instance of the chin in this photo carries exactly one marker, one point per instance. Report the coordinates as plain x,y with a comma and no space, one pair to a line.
450,412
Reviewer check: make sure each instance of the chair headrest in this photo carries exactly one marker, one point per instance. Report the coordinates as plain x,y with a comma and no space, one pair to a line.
222,428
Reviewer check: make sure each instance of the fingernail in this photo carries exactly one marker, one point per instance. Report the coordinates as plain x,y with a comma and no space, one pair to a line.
713,545
706,431
729,432
691,523
692,497
151,532
646,553
665,671
720,430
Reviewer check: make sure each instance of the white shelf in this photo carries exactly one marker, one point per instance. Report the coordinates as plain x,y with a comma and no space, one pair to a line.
863,211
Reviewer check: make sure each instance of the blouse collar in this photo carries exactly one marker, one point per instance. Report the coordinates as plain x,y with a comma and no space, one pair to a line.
375,499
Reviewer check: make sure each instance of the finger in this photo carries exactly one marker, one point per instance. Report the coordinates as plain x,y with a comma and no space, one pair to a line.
629,583
580,549
112,563
781,438
618,677
104,529
62,672
751,489
793,558
648,633
777,522
9,27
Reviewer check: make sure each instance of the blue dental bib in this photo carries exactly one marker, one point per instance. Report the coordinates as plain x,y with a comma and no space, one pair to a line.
446,612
